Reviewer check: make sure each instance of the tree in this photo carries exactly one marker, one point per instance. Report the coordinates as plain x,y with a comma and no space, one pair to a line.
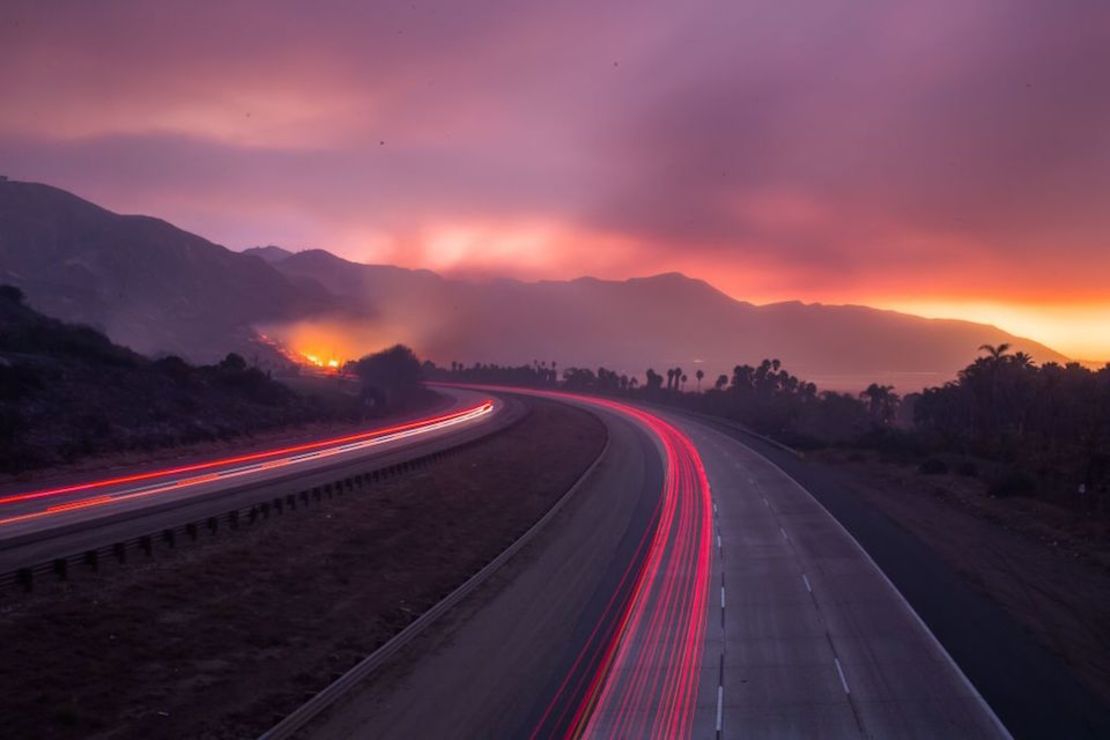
722,381
882,403
699,375
995,352
387,376
233,363
11,294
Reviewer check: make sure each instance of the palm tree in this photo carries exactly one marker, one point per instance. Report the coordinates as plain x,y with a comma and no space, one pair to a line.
995,352
683,378
699,375
881,402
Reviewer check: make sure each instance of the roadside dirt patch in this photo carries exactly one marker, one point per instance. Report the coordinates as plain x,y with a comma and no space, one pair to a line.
1046,566
221,640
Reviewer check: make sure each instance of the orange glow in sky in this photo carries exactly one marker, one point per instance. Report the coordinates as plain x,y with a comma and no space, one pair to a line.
1081,332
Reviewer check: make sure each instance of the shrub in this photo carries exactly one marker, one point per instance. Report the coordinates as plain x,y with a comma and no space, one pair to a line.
933,466
1013,483
968,468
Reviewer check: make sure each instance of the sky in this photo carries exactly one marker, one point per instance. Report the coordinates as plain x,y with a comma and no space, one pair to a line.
949,158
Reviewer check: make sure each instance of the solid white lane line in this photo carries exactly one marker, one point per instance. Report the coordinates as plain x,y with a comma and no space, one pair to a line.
843,681
808,587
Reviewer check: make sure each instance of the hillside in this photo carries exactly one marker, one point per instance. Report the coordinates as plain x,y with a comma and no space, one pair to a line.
67,392
144,282
659,321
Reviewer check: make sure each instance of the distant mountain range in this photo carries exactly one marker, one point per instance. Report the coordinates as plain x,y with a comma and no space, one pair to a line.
159,289
661,321
146,283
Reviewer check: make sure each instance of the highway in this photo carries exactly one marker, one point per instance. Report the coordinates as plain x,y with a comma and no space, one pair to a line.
690,589
41,522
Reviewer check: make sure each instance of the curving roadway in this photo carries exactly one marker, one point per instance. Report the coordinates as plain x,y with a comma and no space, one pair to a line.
690,589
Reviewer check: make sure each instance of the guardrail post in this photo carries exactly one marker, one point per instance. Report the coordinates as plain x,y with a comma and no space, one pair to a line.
120,551
233,519
292,501
26,579
61,568
213,524
191,530
92,559
147,543
278,504
169,537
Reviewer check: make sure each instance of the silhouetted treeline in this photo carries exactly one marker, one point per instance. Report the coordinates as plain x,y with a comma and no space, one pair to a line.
1051,421
536,375
1036,429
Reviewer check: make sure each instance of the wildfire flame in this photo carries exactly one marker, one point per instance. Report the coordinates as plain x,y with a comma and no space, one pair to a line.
331,363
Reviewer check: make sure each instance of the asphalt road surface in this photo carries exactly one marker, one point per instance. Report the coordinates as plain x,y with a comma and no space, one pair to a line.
690,589
68,516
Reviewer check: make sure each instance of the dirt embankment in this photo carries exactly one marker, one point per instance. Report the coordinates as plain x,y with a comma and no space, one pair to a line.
1048,567
222,639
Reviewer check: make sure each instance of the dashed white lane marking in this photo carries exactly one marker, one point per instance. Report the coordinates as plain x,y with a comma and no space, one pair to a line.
718,542
843,681
808,587
720,706
722,597
785,536
767,502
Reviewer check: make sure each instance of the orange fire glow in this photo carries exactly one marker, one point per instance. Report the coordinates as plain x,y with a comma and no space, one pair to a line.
315,360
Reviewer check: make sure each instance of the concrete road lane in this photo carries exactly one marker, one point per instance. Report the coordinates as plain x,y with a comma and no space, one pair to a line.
810,638
491,667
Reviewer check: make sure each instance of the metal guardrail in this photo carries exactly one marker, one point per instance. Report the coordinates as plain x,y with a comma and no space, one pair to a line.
25,579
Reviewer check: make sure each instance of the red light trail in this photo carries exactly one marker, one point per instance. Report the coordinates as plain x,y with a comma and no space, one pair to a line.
638,673
164,480
646,685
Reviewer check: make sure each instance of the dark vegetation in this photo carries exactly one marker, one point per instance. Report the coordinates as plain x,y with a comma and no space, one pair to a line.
67,392
218,640
1027,430
388,378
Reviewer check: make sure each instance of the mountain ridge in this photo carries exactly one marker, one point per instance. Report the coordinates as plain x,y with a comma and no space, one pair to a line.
710,325
148,284
160,289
